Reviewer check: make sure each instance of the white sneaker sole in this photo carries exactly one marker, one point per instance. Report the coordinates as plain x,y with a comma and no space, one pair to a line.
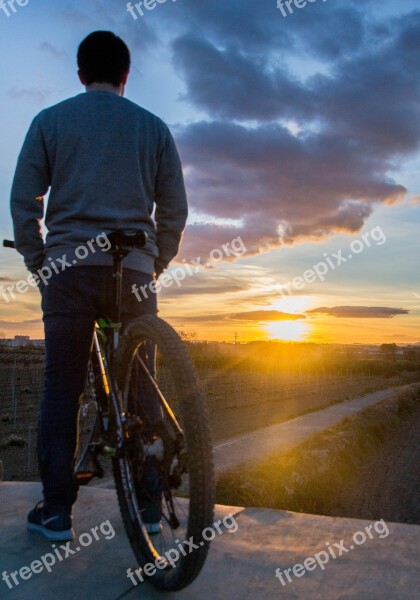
56,536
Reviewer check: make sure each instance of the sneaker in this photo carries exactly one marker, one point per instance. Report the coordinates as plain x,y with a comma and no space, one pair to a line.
53,524
153,528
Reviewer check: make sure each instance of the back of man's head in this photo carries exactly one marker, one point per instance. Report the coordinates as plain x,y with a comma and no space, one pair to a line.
103,57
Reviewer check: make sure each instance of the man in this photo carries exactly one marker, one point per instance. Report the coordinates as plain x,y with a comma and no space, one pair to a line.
107,163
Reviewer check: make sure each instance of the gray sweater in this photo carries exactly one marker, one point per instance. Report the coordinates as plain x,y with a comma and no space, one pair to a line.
107,163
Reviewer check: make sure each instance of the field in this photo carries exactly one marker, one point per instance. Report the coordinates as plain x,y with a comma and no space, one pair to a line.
239,398
241,402
366,467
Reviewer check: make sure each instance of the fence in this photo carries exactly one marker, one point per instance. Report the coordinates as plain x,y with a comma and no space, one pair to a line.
21,382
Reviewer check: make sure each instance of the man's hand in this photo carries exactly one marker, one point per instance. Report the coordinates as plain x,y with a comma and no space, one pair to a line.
159,268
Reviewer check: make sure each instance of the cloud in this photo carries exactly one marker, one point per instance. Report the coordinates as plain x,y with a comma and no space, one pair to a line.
231,75
196,318
202,288
265,315
51,50
36,94
210,281
280,187
257,316
24,322
280,150
257,26
359,312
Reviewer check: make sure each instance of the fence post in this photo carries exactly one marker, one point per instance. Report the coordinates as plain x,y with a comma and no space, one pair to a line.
14,403
29,447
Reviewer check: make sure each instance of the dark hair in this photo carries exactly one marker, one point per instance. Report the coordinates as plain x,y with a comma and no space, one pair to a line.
103,57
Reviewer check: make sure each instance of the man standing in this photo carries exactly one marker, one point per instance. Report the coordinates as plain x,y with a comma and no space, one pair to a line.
108,164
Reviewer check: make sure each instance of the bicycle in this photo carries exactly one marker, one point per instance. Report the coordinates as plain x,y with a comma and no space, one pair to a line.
112,424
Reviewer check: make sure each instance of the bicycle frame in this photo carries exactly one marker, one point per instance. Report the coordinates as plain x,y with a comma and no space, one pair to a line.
111,393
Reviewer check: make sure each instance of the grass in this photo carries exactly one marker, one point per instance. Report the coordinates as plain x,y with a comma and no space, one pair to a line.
312,477
14,440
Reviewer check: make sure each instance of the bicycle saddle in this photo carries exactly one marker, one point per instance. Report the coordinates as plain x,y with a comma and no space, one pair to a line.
126,238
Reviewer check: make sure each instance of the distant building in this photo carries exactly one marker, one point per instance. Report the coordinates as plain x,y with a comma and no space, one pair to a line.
21,340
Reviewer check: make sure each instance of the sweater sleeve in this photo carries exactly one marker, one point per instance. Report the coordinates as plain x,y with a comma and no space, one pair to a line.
30,184
171,203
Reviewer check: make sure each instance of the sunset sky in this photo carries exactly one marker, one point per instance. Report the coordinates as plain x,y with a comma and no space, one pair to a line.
299,135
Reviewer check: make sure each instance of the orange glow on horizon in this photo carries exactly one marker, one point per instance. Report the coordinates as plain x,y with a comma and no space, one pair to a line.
291,331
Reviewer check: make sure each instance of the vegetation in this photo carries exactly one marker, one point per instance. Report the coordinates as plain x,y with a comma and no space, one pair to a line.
313,477
302,358
14,440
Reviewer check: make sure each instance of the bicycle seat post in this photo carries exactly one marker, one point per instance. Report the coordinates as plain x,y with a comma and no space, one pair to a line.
122,242
118,256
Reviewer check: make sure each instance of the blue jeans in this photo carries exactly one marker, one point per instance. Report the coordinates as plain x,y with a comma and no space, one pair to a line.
71,302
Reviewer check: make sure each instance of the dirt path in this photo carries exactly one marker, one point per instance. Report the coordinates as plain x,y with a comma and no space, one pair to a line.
228,422
257,445
389,485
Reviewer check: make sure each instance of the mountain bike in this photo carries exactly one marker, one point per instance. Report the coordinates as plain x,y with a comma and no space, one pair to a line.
176,447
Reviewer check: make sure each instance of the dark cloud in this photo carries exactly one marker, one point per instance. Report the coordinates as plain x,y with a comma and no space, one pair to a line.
234,83
280,187
353,119
259,26
230,76
360,312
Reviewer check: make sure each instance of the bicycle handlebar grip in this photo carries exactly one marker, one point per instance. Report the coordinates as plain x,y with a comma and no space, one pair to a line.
8,244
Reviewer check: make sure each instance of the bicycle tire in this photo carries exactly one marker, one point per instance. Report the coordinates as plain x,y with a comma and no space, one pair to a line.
200,477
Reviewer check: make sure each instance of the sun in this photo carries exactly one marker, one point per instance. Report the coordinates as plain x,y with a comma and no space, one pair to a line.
290,331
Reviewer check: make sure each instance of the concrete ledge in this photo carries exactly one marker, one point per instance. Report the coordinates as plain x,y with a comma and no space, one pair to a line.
241,566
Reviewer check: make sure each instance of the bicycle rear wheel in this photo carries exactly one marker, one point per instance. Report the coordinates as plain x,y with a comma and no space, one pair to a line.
181,457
